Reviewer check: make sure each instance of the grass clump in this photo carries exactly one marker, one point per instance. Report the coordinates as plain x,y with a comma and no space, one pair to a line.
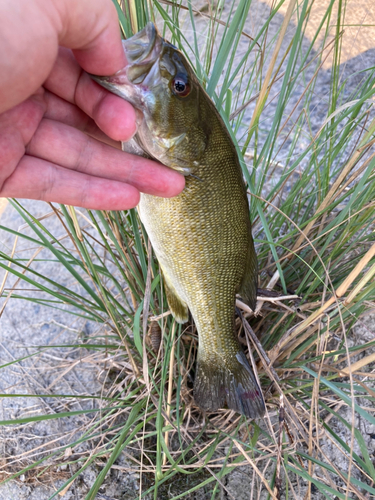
308,159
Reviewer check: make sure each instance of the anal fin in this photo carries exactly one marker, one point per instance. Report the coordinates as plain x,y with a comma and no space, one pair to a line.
177,306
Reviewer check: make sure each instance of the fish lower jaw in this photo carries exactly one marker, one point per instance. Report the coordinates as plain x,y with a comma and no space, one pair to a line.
180,166
183,170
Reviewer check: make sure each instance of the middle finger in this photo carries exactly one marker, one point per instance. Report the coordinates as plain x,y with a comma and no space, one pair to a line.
63,111
66,146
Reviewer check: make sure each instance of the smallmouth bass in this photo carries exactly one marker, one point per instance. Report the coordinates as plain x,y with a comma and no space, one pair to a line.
202,237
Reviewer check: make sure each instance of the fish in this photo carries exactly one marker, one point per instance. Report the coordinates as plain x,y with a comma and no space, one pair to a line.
202,237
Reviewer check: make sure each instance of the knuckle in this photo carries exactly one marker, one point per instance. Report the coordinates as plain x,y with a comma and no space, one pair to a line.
47,186
12,150
84,154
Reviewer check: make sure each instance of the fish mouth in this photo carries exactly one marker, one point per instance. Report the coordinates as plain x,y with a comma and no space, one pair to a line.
143,49
142,52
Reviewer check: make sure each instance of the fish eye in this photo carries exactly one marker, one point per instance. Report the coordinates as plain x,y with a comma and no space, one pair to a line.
180,86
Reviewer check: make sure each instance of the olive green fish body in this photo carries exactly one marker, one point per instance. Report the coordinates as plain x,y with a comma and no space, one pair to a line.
202,237
203,242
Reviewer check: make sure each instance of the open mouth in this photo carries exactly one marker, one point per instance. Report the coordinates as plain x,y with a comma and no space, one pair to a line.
139,47
142,50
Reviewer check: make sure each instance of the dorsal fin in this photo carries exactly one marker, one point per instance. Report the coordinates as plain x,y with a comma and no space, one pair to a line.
249,285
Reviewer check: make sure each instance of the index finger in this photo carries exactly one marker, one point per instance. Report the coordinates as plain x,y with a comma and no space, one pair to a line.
114,116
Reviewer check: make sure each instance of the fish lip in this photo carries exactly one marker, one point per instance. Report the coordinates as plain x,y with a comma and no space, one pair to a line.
117,84
142,52
143,47
104,81
185,171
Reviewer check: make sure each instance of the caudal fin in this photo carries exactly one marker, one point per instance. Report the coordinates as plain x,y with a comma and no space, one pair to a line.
233,383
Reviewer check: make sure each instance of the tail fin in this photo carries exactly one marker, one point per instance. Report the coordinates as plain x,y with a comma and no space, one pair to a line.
232,383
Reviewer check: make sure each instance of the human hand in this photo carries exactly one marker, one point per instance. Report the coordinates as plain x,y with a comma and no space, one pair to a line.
58,129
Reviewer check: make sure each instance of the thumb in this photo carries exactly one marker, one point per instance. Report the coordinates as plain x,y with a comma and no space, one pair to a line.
91,29
30,33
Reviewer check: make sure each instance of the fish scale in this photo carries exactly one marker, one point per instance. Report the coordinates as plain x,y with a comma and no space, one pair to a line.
202,237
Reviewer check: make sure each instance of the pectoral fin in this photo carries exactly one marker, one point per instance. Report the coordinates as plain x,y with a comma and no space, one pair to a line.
177,306
249,285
